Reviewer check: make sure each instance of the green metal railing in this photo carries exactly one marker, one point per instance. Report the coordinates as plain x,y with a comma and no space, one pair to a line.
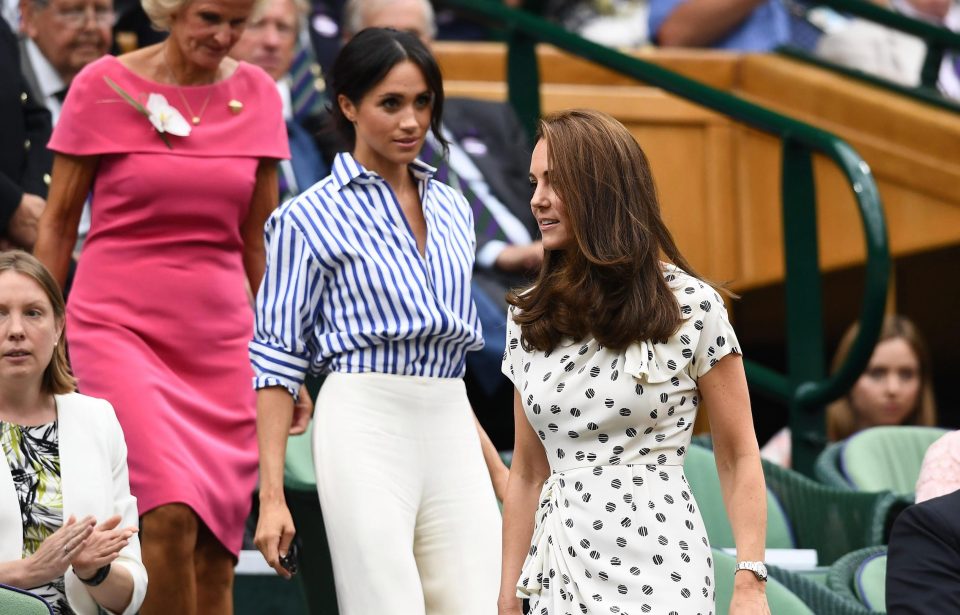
805,388
937,38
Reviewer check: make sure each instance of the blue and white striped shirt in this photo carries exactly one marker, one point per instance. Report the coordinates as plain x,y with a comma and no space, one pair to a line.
346,289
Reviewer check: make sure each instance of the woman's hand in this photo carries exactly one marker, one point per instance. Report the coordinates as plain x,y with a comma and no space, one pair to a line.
274,534
749,595
302,412
101,547
52,558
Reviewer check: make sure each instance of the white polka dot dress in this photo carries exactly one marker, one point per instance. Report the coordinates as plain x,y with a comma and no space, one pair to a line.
618,530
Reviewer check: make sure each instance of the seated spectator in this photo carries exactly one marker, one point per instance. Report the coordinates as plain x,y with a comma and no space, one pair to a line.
270,42
60,38
923,560
68,524
616,23
896,388
891,54
25,126
940,472
740,25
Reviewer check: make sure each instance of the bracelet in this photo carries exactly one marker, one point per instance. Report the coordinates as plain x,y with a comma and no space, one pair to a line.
98,577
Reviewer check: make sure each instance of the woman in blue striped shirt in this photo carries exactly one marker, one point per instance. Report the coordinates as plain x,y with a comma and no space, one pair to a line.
368,279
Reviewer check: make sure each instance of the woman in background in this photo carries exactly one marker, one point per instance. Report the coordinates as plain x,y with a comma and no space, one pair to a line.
63,459
896,388
159,315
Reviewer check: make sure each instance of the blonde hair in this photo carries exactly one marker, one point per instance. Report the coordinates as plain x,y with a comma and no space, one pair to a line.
161,12
841,415
57,377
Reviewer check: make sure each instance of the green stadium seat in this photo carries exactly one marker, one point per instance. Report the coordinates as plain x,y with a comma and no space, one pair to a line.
700,469
860,577
887,458
21,602
832,521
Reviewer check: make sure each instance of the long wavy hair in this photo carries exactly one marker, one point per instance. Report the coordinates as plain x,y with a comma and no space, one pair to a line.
57,378
842,416
610,285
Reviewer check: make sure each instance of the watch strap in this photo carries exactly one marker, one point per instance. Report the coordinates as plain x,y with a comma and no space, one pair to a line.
98,577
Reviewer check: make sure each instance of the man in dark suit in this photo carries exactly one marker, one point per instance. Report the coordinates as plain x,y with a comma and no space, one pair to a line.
270,42
923,561
60,38
24,161
489,161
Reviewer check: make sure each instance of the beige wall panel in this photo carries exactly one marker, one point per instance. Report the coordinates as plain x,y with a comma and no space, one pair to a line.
487,62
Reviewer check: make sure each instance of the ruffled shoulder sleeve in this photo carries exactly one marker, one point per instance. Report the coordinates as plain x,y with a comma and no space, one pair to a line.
704,337
513,355
242,115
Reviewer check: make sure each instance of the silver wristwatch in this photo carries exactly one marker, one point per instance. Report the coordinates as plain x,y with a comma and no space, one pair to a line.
757,568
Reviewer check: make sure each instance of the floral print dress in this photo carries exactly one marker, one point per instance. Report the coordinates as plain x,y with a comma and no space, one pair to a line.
33,454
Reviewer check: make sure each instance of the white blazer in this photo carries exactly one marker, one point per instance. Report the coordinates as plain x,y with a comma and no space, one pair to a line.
94,481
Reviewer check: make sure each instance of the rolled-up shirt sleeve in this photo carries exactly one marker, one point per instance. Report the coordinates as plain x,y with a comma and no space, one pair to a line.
287,317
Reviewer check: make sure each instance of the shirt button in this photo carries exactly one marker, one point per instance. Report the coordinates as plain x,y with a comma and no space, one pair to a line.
46,179
23,97
26,145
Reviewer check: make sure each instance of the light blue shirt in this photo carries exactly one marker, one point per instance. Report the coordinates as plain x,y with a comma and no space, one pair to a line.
346,289
766,28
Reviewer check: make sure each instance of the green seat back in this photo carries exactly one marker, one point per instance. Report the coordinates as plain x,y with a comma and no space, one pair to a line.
887,458
13,600
298,472
781,600
871,582
701,471
860,576
827,467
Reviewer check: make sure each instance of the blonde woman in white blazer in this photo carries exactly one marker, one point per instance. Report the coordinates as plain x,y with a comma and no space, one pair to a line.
68,523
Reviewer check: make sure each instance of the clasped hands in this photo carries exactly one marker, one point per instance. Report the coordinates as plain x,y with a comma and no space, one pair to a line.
82,544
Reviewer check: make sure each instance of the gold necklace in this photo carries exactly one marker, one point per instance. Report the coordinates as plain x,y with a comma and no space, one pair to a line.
194,117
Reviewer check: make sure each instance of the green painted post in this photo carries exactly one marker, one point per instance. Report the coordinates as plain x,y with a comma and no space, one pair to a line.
930,73
805,361
523,79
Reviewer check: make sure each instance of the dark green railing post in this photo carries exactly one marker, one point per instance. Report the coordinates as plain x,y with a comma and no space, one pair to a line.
523,78
805,361
930,73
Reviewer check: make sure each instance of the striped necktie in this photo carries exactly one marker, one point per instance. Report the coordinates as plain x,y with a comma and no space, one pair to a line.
306,83
485,225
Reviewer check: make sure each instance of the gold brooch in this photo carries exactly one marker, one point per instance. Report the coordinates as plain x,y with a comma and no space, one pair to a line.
235,106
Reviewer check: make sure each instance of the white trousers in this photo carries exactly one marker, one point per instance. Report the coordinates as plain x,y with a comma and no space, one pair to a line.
407,502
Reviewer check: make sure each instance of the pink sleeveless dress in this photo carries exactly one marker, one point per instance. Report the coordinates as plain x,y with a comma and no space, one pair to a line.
158,319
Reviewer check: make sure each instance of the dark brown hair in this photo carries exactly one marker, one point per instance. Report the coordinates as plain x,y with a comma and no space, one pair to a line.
842,416
57,377
611,285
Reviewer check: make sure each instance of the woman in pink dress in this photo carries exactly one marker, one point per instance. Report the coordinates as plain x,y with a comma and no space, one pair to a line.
159,314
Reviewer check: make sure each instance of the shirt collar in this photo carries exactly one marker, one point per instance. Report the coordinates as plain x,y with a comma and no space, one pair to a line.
47,77
346,170
283,86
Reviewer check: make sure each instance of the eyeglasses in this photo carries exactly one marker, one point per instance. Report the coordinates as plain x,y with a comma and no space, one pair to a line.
284,30
76,17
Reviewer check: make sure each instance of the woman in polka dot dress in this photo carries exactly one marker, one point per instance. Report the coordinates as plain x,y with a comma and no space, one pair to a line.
611,352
